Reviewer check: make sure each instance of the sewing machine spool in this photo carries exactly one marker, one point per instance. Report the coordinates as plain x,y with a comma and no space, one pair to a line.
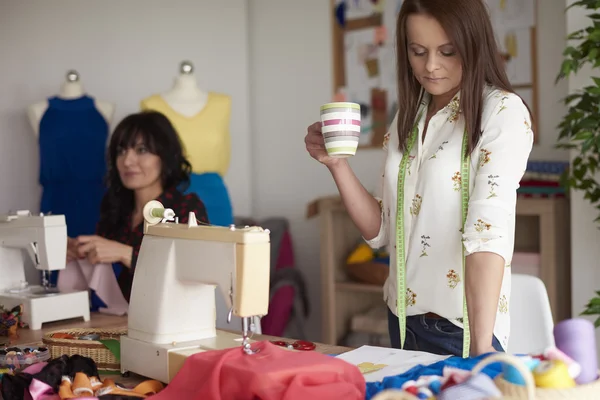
154,212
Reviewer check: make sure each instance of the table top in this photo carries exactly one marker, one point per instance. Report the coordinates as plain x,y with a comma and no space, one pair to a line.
98,320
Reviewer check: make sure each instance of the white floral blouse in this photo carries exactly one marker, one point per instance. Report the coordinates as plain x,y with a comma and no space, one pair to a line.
432,212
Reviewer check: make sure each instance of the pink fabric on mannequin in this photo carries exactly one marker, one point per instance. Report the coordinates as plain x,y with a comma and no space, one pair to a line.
81,275
272,374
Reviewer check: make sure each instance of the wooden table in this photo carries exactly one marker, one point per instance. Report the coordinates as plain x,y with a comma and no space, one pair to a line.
28,337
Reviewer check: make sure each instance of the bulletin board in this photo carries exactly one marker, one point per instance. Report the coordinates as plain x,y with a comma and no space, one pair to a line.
364,62
364,65
515,24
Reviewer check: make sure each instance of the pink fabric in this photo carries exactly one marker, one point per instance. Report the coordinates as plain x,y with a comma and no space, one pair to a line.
280,306
81,275
39,390
272,374
35,368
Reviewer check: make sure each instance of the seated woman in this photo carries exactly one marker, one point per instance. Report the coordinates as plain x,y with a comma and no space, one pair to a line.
146,162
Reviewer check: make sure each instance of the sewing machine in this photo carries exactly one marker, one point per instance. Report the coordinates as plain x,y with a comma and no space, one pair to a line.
172,312
44,239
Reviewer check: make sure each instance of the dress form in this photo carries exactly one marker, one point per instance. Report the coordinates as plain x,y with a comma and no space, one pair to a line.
70,89
185,97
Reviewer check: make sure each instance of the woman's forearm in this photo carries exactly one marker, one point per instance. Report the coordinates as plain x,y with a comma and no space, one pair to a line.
362,207
484,273
126,255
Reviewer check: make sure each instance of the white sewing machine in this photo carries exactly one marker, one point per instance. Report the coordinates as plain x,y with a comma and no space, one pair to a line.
172,312
44,238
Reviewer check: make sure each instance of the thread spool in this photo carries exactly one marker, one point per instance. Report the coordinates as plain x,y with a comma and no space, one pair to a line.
553,374
576,338
154,212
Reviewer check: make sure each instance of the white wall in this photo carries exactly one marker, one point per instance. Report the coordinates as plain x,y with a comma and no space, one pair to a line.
124,51
585,235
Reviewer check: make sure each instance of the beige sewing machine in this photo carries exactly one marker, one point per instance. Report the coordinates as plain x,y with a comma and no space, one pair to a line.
44,239
172,312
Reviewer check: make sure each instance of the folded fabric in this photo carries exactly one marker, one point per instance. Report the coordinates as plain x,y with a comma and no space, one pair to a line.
437,369
273,373
82,275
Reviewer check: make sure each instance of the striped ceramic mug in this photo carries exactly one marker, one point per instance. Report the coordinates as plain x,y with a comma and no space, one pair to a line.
340,125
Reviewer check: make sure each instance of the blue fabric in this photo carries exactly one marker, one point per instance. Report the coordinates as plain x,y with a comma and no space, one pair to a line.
211,190
432,335
396,382
72,146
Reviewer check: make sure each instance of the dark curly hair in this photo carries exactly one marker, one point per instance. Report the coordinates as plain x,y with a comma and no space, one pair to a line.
160,138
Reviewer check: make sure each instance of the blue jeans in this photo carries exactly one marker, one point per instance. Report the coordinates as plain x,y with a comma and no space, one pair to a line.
432,335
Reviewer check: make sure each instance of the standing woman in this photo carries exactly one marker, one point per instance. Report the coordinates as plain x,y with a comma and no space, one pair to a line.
455,154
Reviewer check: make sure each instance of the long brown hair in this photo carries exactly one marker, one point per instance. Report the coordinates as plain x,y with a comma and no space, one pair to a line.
468,25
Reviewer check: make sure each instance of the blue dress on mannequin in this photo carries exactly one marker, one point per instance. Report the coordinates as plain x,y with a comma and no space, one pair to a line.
72,146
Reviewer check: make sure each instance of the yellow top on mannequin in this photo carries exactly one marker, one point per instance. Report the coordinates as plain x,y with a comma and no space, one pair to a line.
205,135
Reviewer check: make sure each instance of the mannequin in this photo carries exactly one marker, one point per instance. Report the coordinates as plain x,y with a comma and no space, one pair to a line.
202,120
186,98
70,89
72,131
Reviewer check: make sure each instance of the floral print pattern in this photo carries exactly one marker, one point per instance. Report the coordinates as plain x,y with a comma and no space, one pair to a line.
440,148
484,157
493,184
425,244
454,107
481,226
503,305
386,139
416,205
453,279
456,181
411,298
502,101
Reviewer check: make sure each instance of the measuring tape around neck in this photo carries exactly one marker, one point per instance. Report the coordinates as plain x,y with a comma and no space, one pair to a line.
465,172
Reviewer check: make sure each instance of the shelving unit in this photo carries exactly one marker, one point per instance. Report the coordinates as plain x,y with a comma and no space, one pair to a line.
542,227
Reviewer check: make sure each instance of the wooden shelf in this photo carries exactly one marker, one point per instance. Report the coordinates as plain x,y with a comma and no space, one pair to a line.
542,225
358,287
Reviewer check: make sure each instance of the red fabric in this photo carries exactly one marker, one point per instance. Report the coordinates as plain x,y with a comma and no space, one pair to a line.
272,374
280,306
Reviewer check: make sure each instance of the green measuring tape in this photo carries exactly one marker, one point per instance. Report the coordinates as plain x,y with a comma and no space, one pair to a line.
465,172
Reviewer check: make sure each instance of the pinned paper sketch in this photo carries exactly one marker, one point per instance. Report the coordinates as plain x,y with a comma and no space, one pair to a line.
515,46
365,62
376,363
512,14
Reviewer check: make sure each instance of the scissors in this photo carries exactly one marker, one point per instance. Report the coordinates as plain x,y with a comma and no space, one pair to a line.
302,345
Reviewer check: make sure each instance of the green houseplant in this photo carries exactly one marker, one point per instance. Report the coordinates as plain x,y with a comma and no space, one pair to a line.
580,127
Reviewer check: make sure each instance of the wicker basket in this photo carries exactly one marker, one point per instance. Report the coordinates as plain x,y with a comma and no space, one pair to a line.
97,351
530,391
369,272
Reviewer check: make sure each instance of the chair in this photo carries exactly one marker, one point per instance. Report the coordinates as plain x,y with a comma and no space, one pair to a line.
531,322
